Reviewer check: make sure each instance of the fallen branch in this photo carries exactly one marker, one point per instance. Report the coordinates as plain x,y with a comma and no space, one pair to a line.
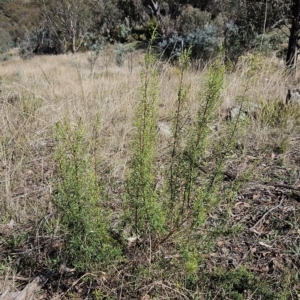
285,186
279,22
73,285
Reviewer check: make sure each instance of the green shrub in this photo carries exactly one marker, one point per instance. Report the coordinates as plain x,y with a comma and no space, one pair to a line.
192,19
120,55
239,284
6,41
204,42
270,41
95,45
122,31
145,212
171,218
83,217
194,201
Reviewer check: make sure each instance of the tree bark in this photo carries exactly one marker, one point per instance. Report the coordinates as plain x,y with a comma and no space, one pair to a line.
155,10
291,58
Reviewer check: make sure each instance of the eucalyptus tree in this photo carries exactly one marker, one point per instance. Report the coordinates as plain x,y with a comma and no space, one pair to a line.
69,20
107,17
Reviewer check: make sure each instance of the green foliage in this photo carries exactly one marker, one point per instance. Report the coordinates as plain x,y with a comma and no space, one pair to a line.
78,200
120,55
176,171
253,26
275,114
122,31
281,120
29,104
95,46
145,212
122,51
5,57
205,196
270,41
236,41
6,41
125,30
18,17
15,240
192,192
110,20
174,214
151,27
204,42
68,22
190,260
193,19
38,41
5,267
239,284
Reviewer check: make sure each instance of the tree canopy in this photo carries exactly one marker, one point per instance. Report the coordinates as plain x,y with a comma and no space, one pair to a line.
61,25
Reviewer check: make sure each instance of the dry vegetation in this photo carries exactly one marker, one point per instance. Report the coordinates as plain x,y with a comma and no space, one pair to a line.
251,240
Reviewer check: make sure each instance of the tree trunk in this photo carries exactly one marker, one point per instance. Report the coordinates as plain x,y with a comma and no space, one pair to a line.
291,58
74,43
155,10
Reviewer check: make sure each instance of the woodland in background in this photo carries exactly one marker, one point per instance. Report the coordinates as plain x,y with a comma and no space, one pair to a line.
59,26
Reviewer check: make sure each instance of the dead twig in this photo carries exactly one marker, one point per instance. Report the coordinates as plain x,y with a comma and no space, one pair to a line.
285,186
264,216
74,284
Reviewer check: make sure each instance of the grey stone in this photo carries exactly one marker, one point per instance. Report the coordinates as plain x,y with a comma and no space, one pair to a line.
293,95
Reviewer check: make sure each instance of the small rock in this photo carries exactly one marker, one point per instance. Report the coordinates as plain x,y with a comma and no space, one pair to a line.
11,224
164,129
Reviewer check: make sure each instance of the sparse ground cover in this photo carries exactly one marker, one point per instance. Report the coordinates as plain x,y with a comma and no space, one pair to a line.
104,193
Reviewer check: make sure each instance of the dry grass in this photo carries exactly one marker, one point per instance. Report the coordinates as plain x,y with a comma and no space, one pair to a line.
37,93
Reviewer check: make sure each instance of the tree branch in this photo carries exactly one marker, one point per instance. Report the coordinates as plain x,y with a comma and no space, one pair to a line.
279,22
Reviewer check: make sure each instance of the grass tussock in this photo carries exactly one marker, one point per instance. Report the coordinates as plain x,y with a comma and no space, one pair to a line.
149,180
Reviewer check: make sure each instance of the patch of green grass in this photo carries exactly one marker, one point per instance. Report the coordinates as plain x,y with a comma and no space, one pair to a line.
240,284
15,240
